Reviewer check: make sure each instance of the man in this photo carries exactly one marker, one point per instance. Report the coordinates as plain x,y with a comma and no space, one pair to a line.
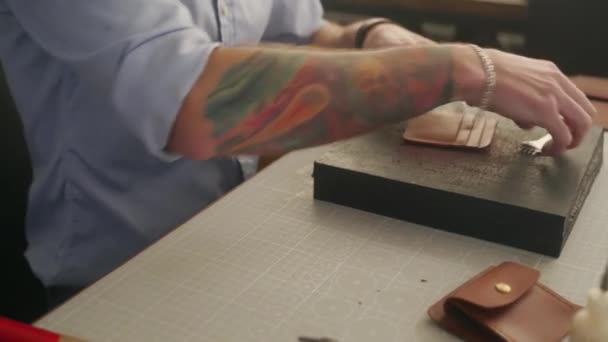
135,110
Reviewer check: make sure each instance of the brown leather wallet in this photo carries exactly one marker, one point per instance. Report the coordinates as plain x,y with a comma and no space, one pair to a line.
505,303
454,125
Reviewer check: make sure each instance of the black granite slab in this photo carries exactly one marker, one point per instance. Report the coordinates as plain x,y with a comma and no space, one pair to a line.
497,194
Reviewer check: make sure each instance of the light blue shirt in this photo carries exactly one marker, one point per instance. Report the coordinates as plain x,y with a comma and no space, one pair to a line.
98,84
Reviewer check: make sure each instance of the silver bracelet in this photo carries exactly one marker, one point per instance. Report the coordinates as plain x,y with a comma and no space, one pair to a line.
490,73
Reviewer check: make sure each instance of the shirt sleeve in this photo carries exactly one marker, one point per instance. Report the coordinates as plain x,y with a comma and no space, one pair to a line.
294,21
144,55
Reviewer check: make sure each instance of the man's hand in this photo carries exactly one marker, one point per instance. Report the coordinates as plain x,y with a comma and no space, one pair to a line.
389,35
532,93
536,93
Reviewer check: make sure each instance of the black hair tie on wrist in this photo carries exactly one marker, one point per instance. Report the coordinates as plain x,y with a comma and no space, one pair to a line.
364,30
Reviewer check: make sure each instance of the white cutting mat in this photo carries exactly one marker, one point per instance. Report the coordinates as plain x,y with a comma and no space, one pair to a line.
268,263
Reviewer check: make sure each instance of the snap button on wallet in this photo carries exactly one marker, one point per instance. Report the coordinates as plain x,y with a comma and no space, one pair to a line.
455,125
505,303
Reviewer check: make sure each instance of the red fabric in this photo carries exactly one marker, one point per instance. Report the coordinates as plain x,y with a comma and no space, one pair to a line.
13,331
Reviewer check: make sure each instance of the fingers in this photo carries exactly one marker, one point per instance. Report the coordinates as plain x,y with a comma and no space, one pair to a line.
569,109
536,93
576,94
575,117
574,106
559,130
561,139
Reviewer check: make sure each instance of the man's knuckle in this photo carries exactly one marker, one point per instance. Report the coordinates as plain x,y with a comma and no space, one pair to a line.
548,103
587,122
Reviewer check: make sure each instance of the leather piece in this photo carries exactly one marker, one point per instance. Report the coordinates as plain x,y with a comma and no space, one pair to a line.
453,125
601,119
488,132
475,311
468,121
518,277
594,87
479,123
434,127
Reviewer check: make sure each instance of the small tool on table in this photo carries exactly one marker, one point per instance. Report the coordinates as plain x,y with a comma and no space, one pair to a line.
604,281
534,147
313,339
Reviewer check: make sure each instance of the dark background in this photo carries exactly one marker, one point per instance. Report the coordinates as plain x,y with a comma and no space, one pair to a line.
572,33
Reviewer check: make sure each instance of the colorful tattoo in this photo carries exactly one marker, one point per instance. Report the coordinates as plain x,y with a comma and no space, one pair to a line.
276,101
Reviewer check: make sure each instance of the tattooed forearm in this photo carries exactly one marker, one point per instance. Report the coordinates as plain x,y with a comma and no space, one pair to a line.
274,101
